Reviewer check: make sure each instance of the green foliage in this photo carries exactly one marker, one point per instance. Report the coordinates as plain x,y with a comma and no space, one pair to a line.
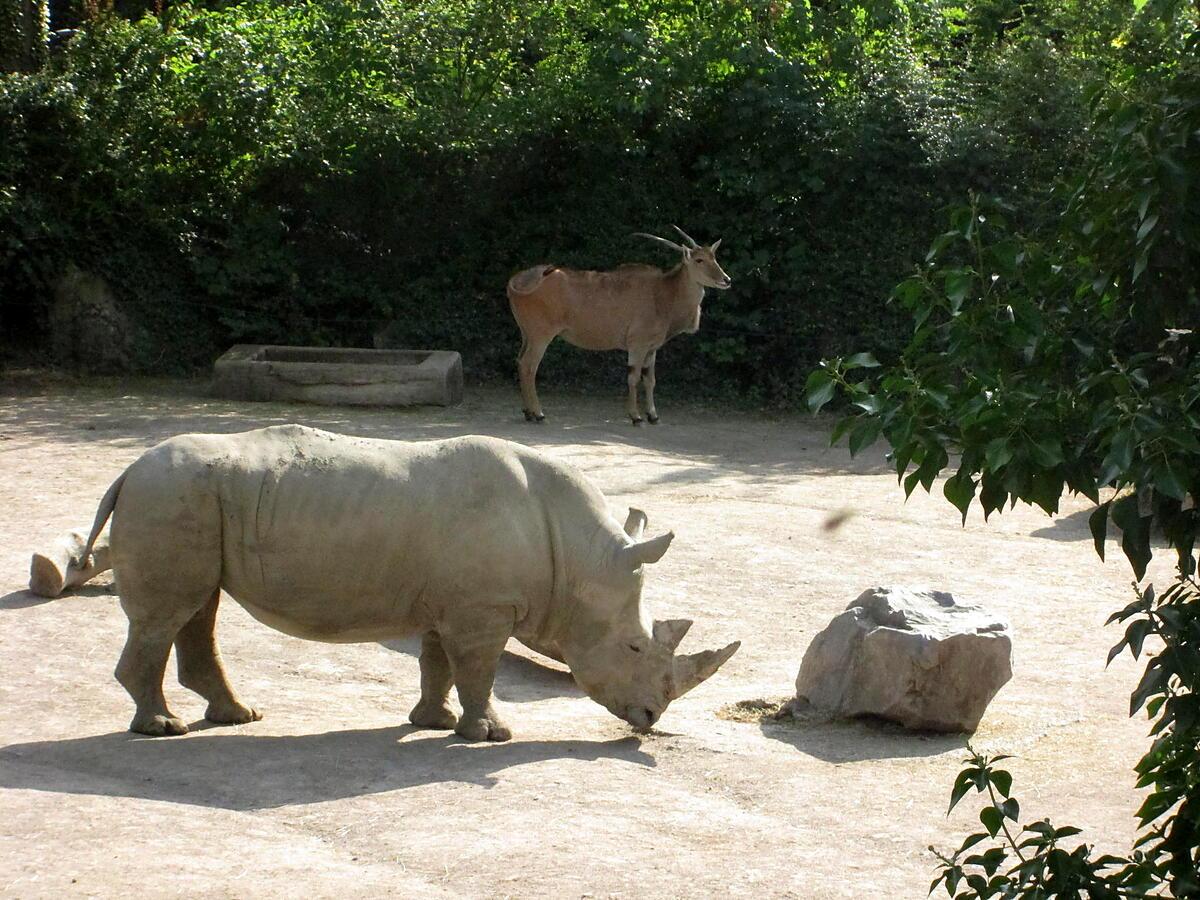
315,172
1068,359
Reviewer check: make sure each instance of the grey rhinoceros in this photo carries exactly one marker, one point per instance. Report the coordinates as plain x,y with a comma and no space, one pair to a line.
467,542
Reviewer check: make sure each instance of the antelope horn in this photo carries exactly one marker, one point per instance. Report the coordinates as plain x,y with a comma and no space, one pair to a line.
684,234
671,244
696,667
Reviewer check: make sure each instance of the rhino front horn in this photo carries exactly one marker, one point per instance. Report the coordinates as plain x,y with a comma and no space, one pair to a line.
694,668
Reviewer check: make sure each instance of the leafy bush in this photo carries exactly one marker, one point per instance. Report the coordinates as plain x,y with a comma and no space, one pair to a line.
1069,360
316,172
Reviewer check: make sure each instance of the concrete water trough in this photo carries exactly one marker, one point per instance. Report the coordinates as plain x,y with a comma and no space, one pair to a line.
339,375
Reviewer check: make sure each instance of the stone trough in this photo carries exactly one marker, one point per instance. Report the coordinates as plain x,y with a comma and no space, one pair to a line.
339,376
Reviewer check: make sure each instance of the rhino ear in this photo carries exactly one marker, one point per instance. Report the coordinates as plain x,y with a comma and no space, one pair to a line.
635,523
669,632
643,552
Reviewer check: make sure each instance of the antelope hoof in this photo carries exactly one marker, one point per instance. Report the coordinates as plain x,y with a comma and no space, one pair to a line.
637,420
528,415
653,420
539,418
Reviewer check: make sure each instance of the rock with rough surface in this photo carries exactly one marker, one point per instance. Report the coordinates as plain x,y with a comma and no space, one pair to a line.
912,656
88,328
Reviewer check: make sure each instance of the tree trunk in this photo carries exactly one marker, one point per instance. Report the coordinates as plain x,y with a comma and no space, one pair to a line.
24,30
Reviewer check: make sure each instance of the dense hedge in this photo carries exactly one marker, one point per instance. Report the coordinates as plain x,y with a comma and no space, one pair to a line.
319,172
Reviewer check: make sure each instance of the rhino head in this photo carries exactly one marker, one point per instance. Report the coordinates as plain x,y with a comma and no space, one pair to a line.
624,662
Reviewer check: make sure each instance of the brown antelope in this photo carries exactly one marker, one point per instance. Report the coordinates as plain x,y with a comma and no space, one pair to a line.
634,308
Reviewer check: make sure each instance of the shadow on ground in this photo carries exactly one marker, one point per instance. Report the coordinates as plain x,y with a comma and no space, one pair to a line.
250,772
519,679
857,740
1073,527
137,414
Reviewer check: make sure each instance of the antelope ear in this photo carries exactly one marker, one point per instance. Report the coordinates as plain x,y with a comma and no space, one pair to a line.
669,632
714,247
635,523
643,552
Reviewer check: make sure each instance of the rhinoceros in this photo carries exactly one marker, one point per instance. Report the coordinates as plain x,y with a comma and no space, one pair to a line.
466,542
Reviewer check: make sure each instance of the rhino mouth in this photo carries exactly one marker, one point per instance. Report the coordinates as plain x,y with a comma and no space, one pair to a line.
639,716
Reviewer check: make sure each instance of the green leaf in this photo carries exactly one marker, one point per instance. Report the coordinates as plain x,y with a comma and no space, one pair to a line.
962,784
861,360
1002,781
958,285
1047,452
1135,533
997,453
1119,458
1154,681
819,388
1098,524
1147,226
1167,481
959,489
1140,266
991,819
864,435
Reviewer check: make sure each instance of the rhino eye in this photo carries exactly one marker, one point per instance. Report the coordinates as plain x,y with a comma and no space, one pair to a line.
635,648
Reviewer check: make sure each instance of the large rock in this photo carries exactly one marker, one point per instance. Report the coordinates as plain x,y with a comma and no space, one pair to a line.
915,657
88,328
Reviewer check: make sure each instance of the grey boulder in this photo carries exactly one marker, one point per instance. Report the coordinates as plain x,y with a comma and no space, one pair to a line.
914,657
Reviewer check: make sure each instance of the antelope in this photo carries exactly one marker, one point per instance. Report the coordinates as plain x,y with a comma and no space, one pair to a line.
635,308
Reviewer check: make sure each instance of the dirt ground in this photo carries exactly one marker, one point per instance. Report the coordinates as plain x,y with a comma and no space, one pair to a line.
332,794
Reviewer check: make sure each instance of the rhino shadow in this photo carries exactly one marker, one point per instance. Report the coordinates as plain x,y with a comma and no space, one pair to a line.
519,679
244,772
23,600
26,599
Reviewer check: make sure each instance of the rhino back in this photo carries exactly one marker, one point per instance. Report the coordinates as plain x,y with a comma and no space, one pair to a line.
341,538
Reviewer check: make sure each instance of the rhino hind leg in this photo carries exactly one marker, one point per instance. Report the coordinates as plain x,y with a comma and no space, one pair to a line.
141,667
474,653
200,668
433,709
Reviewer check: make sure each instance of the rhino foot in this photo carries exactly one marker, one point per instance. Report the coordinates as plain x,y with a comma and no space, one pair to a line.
486,729
158,726
429,715
231,714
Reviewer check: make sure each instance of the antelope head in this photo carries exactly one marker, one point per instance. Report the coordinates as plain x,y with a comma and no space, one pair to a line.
699,260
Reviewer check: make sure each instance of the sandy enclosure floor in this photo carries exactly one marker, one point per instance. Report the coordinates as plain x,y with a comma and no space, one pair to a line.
332,794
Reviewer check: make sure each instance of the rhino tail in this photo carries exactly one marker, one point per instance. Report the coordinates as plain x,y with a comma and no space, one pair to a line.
107,504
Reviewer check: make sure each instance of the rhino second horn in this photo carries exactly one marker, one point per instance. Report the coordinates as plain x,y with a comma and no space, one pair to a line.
635,523
696,667
643,552
669,632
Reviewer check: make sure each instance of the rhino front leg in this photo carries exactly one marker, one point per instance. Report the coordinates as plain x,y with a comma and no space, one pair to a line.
433,710
200,668
474,652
